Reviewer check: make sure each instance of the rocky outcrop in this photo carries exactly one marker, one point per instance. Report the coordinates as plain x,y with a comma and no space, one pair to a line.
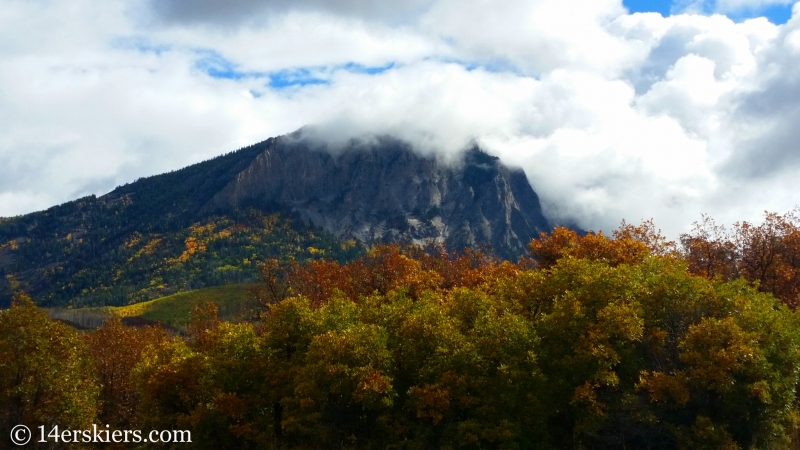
384,191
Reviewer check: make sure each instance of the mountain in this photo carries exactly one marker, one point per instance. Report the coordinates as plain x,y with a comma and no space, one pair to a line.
287,197
385,192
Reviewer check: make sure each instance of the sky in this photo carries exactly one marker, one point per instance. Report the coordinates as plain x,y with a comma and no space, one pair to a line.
615,109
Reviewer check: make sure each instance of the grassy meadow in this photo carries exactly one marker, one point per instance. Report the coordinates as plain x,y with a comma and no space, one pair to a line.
173,310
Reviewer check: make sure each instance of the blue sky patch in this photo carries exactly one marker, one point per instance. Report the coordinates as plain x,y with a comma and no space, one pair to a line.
360,68
304,76
777,14
659,6
217,66
296,77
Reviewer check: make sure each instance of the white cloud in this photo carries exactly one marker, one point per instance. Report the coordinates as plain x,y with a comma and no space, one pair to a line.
612,115
534,36
17,203
303,39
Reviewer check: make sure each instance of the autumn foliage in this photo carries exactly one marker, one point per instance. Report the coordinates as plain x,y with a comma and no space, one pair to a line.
116,349
767,255
594,341
46,372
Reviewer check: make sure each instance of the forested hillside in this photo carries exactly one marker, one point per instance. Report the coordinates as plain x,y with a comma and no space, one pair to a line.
128,265
149,239
593,341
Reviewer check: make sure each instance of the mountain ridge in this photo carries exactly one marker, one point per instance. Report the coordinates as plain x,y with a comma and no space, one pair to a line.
286,197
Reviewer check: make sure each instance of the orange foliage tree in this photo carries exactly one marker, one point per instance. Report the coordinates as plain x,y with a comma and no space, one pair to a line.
629,245
766,254
116,349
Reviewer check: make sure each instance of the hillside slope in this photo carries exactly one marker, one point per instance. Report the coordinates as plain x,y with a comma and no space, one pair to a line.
173,311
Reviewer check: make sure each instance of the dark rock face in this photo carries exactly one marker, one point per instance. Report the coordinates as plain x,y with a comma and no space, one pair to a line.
385,192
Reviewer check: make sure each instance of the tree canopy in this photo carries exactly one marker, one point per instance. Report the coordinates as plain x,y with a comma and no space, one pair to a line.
621,341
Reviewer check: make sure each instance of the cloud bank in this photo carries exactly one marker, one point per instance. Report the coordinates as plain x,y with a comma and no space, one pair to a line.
612,115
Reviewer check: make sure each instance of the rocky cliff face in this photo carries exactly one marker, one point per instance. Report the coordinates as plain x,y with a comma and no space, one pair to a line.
386,192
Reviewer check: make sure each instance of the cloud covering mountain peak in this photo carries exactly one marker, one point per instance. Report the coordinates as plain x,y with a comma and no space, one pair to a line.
611,114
